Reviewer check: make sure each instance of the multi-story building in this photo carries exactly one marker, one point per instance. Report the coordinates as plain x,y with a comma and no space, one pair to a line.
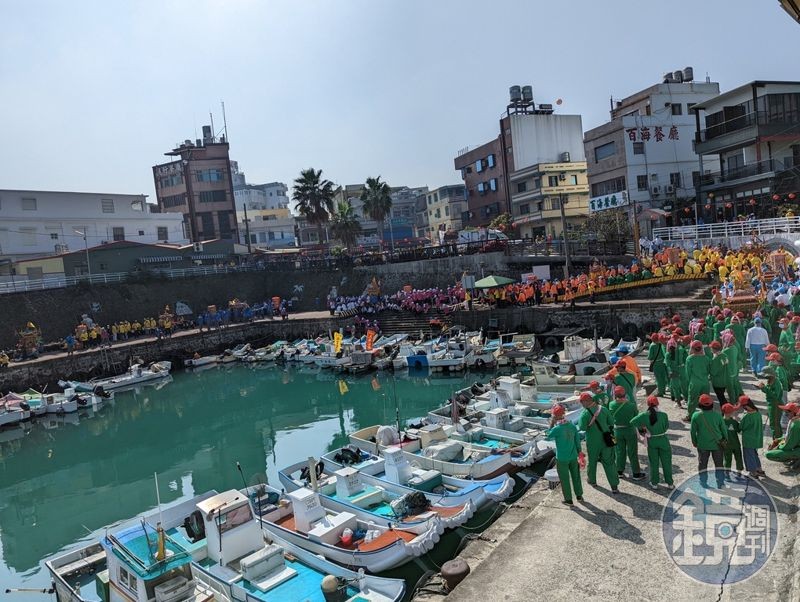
267,228
644,156
484,180
748,140
443,209
198,184
35,223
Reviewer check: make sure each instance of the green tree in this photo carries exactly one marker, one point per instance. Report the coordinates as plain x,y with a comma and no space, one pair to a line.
505,223
609,224
314,198
377,200
344,224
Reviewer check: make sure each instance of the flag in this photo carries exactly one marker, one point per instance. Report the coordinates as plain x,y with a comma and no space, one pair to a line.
376,385
343,387
370,339
337,342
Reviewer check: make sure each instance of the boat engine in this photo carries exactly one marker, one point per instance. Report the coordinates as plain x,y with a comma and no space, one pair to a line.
194,526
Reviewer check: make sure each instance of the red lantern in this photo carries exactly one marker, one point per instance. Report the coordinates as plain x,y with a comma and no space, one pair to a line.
792,196
752,202
708,207
728,205
776,197
687,210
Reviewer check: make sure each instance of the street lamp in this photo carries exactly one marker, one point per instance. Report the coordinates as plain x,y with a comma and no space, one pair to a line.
86,246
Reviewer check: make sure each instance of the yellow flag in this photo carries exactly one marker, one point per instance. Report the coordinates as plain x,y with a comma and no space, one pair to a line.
337,342
343,387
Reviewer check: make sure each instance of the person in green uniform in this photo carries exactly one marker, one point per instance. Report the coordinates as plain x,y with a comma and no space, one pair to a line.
594,423
659,452
719,326
739,334
752,436
697,369
734,449
718,371
708,433
683,355
627,447
786,347
674,371
626,380
775,361
730,349
568,448
598,394
787,449
656,355
774,393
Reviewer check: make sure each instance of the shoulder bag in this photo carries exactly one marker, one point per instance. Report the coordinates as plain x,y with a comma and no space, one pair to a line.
608,437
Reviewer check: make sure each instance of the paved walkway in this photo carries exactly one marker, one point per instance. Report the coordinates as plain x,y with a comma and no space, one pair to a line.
611,547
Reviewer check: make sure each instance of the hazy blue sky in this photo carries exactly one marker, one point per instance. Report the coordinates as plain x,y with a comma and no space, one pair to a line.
93,93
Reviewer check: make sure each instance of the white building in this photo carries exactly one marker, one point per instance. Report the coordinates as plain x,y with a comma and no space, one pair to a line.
35,223
268,228
261,196
646,149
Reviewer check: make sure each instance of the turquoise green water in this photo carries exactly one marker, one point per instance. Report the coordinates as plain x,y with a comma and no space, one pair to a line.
59,486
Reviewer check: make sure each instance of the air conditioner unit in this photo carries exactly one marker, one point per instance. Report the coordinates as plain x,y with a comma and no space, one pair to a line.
562,176
669,189
656,190
198,247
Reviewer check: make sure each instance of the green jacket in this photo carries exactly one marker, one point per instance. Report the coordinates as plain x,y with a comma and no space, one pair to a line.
697,369
780,372
774,392
656,353
718,369
594,437
738,333
752,427
733,432
568,442
627,380
732,353
643,420
601,398
622,412
792,439
707,429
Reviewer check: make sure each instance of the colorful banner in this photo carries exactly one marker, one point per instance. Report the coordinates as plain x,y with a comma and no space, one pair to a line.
370,339
337,342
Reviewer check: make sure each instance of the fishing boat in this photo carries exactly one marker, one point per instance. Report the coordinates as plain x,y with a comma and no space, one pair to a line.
580,356
35,400
207,548
345,491
543,379
198,361
13,409
393,468
136,375
411,356
431,447
304,519
446,361
514,349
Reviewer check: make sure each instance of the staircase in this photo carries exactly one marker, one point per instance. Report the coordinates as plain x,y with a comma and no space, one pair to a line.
394,322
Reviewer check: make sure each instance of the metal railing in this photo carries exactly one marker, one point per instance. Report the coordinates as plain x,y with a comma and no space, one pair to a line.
744,171
749,228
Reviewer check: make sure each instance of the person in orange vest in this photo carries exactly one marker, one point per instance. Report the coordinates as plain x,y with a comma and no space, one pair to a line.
630,363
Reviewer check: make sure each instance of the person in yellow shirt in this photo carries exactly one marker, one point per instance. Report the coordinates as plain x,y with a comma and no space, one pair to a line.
658,272
723,272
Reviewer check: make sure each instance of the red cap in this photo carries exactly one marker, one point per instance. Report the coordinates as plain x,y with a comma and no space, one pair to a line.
594,384
685,339
728,409
652,401
740,315
620,365
774,357
771,347
664,322
696,346
655,337
791,407
586,396
608,376
678,331
720,318
558,411
705,400
715,345
619,391
743,400
676,318
795,319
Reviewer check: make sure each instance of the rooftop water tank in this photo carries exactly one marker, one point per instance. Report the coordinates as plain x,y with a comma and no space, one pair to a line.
515,93
688,74
527,93
678,76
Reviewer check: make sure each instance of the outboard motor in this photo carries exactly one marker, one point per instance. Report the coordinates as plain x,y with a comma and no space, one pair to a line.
194,526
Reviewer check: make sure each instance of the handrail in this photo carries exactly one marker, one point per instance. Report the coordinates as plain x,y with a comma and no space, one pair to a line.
759,227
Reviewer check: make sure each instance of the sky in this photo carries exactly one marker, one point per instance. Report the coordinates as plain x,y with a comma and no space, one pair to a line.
92,93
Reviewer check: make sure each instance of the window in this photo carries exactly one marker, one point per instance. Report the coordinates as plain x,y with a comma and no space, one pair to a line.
524,209
54,236
141,232
537,183
271,235
213,196
127,579
608,186
522,187
118,233
438,214
481,187
677,109
641,182
638,148
490,161
552,181
689,106
447,210
162,233
675,179
28,237
28,204
573,180
207,224
173,180
555,202
176,200
604,151
696,179
493,184
103,266
479,165
210,175
107,205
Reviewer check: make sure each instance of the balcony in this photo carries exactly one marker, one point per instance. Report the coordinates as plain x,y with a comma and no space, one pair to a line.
741,175
744,129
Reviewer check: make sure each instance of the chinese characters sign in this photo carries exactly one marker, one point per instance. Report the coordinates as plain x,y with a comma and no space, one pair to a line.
656,133
613,200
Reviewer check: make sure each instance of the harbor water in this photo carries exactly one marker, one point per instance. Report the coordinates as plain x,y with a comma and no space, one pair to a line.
63,479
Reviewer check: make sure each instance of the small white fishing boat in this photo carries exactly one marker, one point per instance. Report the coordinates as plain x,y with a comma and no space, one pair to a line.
580,356
12,411
198,361
136,375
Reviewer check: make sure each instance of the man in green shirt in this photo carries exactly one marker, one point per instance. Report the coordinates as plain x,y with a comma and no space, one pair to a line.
626,380
774,393
568,448
788,448
707,431
734,449
730,349
718,370
594,421
598,394
627,447
697,369
656,355
659,451
674,369
752,436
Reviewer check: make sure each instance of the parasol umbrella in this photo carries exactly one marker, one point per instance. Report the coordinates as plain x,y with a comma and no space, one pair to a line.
493,281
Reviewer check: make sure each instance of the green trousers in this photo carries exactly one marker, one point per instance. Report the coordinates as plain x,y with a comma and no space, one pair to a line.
732,453
569,469
696,389
660,372
781,455
734,389
605,456
627,448
659,453
676,388
775,420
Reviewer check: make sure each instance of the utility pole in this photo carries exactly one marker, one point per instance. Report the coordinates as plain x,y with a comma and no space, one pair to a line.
562,200
86,246
247,229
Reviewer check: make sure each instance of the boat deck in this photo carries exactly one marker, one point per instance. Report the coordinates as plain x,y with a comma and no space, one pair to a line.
82,564
385,539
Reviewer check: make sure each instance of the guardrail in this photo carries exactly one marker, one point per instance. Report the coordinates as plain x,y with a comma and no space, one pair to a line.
760,227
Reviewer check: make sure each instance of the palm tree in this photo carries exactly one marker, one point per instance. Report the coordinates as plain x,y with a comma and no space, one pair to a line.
345,224
377,200
314,198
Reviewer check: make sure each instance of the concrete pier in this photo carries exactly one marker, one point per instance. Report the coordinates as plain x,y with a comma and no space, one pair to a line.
610,547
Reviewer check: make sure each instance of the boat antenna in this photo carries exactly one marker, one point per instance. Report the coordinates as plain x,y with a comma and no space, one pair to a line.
258,496
158,499
396,406
241,474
